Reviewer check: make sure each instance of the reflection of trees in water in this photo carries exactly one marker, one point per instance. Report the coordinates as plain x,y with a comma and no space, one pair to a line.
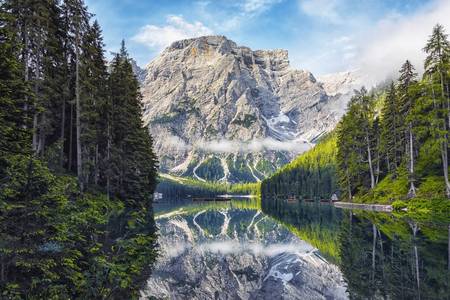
394,266
315,223
380,256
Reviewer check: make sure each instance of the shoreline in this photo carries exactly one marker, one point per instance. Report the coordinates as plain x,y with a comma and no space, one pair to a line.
364,206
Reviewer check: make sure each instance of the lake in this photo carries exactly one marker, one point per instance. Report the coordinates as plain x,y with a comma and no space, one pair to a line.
245,249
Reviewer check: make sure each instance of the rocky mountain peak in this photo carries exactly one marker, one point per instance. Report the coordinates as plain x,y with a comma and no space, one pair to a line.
220,111
219,42
274,60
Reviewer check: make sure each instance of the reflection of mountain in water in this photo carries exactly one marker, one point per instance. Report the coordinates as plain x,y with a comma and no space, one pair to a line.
238,254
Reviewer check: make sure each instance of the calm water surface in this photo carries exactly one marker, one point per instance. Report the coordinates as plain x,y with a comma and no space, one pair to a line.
279,250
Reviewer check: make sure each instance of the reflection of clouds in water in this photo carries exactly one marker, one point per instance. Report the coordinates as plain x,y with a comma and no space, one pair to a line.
235,247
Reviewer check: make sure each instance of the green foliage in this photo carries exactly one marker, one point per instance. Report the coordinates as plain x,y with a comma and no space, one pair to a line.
438,207
392,133
57,244
432,187
399,205
241,204
131,163
264,166
61,237
238,167
358,155
408,157
14,121
165,118
211,169
379,254
316,224
310,175
388,190
246,121
322,238
391,145
382,255
182,187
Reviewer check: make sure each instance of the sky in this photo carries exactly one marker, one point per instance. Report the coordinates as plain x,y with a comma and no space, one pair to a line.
322,36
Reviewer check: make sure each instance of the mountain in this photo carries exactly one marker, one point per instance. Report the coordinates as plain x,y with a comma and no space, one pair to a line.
340,87
138,71
341,83
219,111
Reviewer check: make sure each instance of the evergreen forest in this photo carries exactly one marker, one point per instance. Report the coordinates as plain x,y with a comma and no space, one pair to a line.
77,169
392,144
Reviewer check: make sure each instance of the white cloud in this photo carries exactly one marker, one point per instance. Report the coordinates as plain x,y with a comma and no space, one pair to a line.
176,28
399,37
377,49
175,143
234,146
255,145
326,9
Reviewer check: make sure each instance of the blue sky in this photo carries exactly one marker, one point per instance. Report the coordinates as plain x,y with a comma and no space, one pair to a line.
323,36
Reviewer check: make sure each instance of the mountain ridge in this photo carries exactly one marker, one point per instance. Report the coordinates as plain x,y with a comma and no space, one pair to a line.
219,111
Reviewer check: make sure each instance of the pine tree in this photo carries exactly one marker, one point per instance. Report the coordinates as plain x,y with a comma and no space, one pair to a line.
14,95
133,160
376,133
53,80
352,147
55,241
78,18
94,94
347,160
436,62
131,169
29,198
38,25
406,83
31,25
365,103
392,132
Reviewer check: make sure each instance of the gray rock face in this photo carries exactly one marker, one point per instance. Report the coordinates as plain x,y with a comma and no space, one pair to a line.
224,112
138,71
233,254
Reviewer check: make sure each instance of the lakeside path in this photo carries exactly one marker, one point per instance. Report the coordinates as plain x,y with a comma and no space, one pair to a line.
364,206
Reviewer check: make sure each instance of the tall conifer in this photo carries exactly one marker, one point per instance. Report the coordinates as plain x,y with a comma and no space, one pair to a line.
406,82
14,95
436,63
391,132
78,21
93,75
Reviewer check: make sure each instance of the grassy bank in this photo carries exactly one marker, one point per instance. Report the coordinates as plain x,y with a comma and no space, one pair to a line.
430,198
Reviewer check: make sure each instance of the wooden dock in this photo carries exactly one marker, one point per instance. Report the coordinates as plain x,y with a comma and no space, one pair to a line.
364,206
